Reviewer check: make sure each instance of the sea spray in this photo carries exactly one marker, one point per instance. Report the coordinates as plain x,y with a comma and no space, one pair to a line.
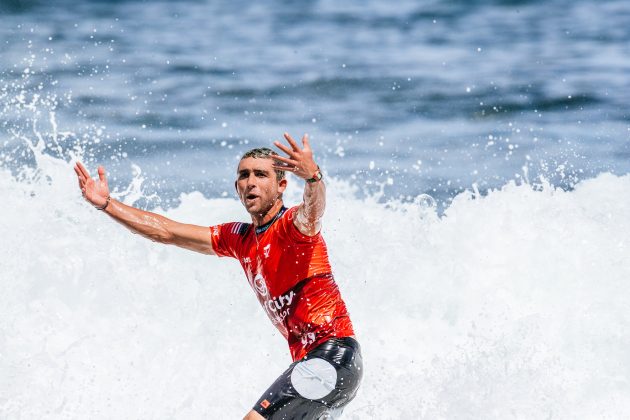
511,304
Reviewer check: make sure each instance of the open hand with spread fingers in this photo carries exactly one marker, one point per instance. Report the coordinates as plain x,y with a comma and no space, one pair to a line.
95,192
299,161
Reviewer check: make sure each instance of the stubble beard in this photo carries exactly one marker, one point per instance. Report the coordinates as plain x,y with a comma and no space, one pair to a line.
264,209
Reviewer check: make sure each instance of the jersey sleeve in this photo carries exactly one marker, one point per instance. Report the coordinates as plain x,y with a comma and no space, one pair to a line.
226,238
292,230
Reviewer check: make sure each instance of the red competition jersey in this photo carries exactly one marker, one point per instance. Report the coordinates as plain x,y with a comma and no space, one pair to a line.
291,276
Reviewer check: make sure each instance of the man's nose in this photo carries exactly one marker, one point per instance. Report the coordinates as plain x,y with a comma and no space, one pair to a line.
251,181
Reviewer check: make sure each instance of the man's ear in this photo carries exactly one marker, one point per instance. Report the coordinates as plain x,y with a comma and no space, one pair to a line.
282,185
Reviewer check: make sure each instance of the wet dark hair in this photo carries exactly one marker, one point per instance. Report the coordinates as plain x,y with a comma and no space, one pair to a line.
263,153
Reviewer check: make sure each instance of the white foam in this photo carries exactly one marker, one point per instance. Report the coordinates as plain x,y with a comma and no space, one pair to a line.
512,305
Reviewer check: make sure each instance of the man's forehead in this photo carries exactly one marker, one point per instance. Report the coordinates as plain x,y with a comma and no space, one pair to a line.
253,164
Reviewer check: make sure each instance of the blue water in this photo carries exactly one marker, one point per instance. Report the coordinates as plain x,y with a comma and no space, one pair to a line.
420,97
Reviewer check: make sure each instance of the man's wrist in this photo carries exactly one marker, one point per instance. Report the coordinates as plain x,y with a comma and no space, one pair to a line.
317,176
102,208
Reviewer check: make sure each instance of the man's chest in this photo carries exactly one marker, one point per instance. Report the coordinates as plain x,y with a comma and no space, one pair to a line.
256,252
264,260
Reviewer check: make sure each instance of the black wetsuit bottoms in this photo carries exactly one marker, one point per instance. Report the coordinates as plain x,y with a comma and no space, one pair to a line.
318,386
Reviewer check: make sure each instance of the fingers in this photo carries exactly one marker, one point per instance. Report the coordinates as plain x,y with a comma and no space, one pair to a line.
79,177
306,142
284,168
299,158
292,142
287,164
290,168
84,171
285,160
78,172
101,174
284,148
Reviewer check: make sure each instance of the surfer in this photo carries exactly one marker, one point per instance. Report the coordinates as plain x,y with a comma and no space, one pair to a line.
285,260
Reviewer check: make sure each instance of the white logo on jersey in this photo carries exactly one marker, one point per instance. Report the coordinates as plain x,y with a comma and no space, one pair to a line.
246,260
266,250
280,302
261,285
278,309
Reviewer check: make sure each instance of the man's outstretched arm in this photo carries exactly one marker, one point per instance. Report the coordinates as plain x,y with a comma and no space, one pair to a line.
150,225
300,162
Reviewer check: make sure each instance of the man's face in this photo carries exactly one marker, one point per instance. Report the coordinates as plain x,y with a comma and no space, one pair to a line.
257,184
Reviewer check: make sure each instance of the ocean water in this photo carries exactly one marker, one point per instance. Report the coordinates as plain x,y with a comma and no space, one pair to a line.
420,97
477,158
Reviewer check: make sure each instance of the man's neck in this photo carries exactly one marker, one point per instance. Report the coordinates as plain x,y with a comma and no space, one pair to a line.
262,219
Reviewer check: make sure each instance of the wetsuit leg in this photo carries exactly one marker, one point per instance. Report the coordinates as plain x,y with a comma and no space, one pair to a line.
316,387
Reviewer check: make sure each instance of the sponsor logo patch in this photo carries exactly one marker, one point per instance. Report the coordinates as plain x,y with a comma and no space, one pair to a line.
261,285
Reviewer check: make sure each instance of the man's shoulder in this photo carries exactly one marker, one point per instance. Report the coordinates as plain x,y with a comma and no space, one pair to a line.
290,211
234,228
289,215
240,228
291,220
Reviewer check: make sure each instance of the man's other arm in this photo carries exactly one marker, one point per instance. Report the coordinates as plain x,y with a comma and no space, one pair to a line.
308,219
150,225
161,229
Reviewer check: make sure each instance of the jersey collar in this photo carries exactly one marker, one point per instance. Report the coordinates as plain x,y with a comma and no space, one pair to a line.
263,228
